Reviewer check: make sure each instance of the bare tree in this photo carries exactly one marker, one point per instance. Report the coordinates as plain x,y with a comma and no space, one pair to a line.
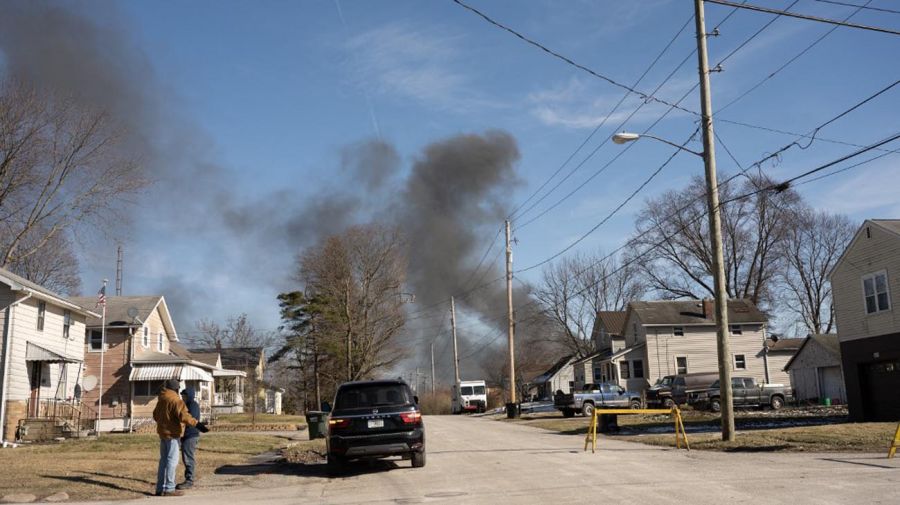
812,245
575,289
53,266
673,231
62,167
358,275
237,331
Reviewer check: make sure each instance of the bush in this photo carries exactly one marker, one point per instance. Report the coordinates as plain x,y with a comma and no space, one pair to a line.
435,404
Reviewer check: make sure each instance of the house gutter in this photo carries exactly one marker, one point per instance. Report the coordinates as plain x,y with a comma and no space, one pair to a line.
8,324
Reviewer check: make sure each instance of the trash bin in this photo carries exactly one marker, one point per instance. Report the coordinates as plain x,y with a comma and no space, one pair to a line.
316,423
513,410
827,402
608,423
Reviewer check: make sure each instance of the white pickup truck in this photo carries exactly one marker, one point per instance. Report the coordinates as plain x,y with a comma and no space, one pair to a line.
469,396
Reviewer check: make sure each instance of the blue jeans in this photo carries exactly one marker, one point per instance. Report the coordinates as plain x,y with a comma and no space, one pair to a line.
188,449
168,464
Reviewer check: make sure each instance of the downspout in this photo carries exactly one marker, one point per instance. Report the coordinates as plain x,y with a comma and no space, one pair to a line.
130,383
7,349
765,354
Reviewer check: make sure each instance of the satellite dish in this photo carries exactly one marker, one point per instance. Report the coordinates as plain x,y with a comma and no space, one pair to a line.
90,382
132,312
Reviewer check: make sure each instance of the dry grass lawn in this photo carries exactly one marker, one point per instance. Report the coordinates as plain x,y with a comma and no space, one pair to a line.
833,437
247,418
115,466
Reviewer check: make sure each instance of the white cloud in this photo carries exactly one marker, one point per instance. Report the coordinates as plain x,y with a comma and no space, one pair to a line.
859,196
409,63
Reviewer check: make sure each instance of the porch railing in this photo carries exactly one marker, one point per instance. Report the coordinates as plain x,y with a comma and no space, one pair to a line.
74,414
228,398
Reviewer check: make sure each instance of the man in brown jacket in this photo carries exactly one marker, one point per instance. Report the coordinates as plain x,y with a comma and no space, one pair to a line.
170,415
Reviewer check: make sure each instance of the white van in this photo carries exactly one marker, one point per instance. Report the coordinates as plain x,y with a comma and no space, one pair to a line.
469,396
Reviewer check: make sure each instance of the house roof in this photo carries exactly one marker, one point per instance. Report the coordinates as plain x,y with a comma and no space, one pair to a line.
588,358
613,320
117,308
209,358
559,365
829,341
892,225
784,344
232,357
18,283
622,352
690,312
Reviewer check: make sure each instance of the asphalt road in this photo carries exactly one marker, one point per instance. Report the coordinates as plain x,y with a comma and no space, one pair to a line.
479,460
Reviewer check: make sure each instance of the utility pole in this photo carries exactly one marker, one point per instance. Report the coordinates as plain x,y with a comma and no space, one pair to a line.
432,368
455,350
715,230
512,327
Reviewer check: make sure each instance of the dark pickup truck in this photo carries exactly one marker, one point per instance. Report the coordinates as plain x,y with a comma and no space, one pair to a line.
596,395
745,393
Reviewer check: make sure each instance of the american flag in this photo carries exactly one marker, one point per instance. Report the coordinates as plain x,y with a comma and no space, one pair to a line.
101,297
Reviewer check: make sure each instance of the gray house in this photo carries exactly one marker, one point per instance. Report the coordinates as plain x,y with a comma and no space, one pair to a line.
816,370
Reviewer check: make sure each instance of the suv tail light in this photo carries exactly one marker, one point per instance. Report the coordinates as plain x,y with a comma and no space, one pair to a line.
411,417
334,424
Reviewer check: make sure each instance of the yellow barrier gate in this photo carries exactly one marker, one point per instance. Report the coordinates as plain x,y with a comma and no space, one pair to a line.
895,444
680,435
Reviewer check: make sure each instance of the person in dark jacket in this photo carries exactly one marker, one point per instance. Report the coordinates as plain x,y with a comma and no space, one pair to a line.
190,440
171,415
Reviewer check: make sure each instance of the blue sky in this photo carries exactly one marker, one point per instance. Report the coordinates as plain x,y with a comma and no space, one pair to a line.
277,89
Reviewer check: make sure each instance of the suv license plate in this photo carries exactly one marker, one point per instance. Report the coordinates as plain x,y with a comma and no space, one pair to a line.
376,423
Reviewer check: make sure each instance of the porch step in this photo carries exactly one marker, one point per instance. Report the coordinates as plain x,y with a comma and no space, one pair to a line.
45,430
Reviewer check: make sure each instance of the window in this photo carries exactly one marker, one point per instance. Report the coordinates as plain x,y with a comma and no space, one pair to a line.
624,370
145,342
598,375
875,291
466,391
96,340
740,362
147,388
681,365
67,323
159,341
479,390
678,331
736,329
637,366
42,313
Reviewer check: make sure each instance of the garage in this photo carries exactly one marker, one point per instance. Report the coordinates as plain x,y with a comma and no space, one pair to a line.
880,383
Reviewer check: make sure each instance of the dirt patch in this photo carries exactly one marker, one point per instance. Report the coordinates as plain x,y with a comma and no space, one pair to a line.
305,452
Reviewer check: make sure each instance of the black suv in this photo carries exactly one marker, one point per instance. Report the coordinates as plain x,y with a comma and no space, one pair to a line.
375,419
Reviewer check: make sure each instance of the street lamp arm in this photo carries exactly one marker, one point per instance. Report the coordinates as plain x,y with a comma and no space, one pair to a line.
673,144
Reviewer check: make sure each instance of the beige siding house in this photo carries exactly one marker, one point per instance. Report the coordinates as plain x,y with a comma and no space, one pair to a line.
42,352
865,284
678,337
777,354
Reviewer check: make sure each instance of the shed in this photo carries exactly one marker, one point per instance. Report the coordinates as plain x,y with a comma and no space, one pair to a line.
816,370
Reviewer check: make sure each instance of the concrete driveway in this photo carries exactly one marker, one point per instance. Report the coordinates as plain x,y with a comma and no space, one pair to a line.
479,460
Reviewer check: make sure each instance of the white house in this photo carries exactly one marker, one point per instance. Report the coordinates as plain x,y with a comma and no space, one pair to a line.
42,353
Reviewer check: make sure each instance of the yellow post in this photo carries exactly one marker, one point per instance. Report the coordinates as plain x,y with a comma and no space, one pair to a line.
895,443
591,436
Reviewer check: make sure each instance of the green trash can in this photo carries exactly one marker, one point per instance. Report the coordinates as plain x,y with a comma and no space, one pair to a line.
827,401
317,424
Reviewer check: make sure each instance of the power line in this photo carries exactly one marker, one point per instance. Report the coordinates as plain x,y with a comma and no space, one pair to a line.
847,4
606,117
641,94
803,16
785,64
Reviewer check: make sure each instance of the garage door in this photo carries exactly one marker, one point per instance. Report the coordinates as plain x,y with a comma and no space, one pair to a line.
831,384
881,381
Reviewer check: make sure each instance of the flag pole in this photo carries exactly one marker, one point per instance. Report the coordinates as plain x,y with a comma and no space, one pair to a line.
102,353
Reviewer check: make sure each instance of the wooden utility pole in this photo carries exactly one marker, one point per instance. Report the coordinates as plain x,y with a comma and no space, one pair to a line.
432,368
512,326
715,229
455,349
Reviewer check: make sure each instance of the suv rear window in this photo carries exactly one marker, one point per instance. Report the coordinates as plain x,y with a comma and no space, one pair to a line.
372,395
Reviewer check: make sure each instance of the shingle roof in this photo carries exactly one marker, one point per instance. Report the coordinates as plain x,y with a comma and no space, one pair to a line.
17,282
117,308
544,377
784,344
891,224
209,358
613,320
690,312
827,340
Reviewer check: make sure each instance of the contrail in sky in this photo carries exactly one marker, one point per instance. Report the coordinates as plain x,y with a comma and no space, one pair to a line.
369,106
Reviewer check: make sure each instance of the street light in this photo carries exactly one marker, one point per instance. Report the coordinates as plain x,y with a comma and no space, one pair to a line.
625,137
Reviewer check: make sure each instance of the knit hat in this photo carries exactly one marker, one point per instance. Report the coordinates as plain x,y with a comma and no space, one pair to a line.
173,384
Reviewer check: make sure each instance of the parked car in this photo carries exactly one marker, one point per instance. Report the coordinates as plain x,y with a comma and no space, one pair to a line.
673,390
592,396
745,393
375,419
472,397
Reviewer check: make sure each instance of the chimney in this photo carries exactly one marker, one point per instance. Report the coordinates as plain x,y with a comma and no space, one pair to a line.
708,312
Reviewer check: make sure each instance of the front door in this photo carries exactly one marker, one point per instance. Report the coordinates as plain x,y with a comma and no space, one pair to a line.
34,405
